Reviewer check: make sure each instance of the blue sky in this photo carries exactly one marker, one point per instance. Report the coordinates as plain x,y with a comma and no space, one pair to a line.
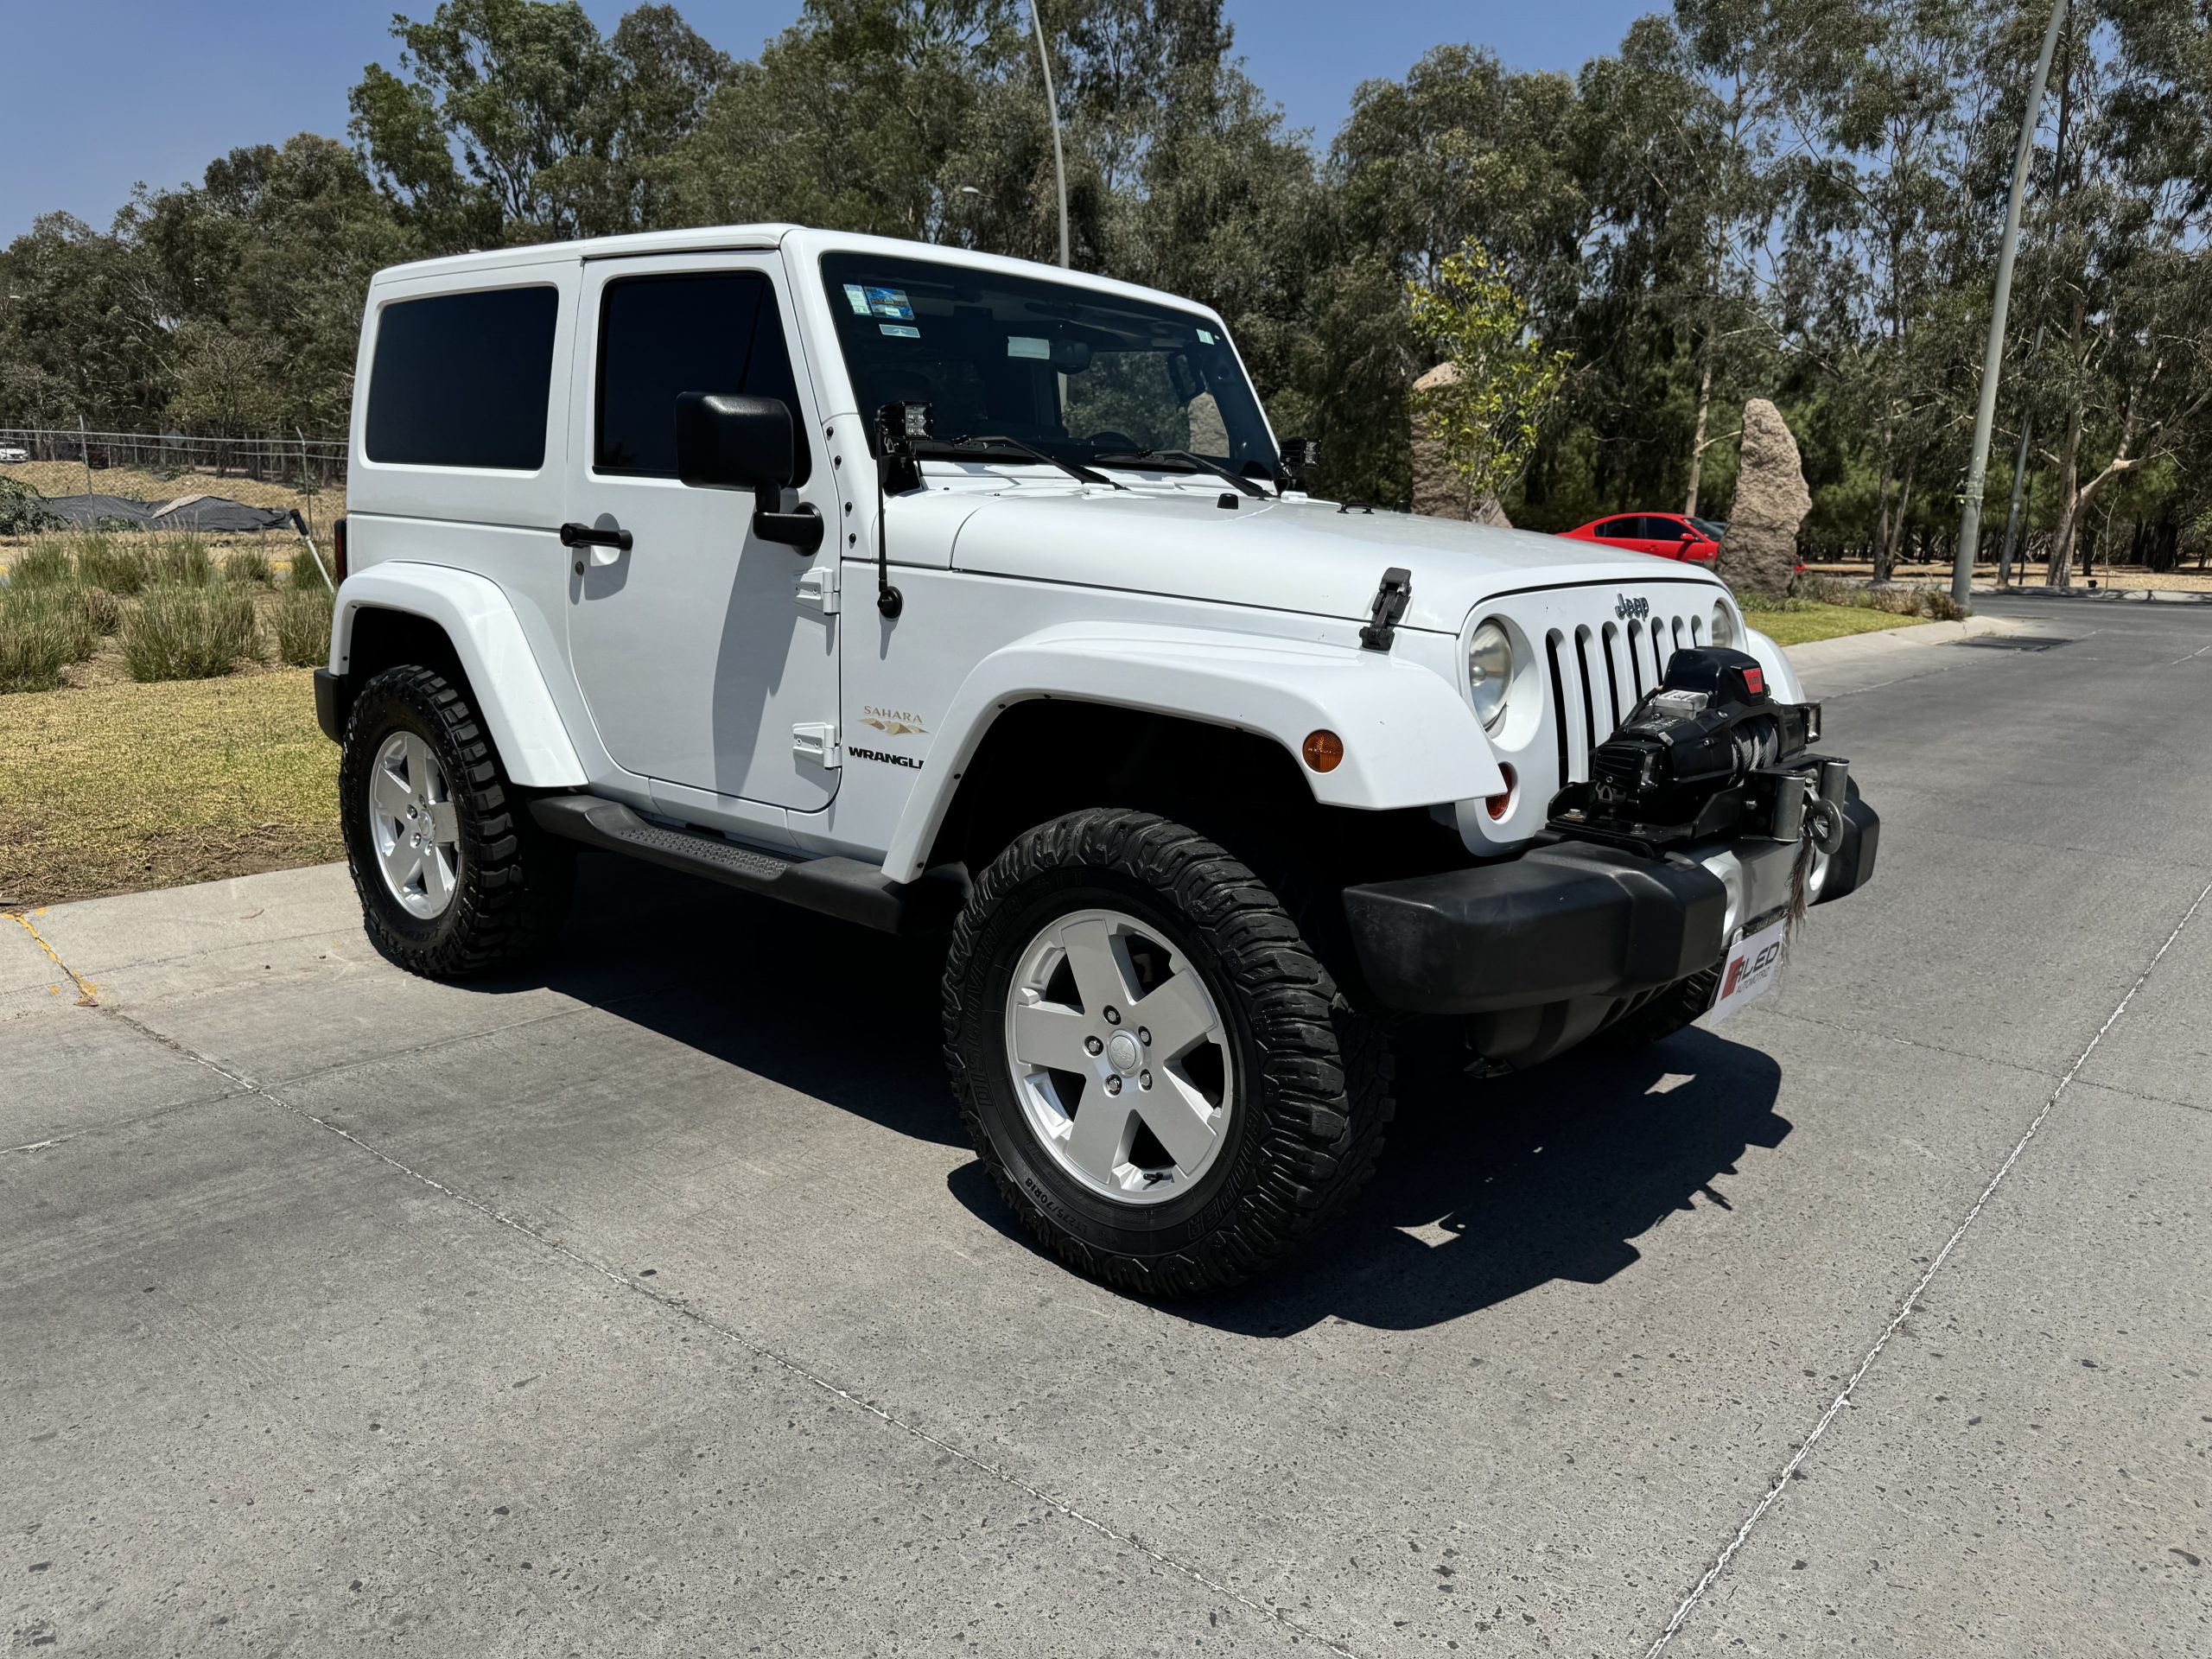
96,94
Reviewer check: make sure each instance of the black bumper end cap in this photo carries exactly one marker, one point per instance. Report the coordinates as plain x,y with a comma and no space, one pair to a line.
1850,867
1564,921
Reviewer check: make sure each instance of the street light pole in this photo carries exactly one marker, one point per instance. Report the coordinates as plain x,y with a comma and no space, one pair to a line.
1993,358
1052,112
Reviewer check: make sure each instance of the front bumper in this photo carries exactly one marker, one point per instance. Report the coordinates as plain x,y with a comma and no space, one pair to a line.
1544,948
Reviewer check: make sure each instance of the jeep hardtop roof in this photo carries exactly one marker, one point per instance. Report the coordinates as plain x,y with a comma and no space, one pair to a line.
804,243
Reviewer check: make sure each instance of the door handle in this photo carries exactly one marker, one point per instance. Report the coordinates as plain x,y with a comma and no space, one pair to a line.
586,535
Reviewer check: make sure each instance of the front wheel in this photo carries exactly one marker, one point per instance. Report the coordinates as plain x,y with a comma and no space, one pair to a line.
1155,1067
455,879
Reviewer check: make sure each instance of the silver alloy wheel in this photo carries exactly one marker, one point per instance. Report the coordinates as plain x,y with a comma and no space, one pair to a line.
413,827
1120,1056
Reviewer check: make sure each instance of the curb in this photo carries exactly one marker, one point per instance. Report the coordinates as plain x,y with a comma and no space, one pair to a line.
2104,596
1859,647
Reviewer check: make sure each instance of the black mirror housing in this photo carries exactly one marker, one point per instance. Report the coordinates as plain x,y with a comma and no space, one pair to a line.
724,441
1300,455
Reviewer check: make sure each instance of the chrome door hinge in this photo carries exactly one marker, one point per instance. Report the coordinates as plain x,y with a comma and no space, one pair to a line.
817,589
816,740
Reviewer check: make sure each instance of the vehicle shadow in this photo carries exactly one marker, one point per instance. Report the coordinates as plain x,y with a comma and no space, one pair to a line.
821,1007
1487,1189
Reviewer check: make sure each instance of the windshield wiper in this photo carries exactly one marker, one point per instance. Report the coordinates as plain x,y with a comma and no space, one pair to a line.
975,441
1188,459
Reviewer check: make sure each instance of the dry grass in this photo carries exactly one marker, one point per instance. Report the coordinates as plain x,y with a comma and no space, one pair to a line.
132,786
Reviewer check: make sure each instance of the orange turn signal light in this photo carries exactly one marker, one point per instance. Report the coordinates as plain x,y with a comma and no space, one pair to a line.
1324,751
1499,804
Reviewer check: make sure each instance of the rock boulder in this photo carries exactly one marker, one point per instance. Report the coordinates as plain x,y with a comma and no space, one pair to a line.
1759,553
1438,492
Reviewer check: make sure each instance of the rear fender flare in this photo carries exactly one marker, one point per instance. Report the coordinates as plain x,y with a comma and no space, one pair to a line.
505,681
1409,739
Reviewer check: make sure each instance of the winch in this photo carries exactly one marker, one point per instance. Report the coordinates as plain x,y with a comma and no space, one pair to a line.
1710,753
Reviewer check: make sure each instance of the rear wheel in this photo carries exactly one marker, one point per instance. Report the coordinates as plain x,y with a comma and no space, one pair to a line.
1154,1066
454,877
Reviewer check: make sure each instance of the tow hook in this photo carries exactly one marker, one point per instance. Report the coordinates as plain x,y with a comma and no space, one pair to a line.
1814,810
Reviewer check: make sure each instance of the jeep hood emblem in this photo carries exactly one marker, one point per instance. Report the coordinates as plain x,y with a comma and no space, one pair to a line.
1627,605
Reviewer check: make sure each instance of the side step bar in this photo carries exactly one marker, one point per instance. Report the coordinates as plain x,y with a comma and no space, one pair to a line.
843,887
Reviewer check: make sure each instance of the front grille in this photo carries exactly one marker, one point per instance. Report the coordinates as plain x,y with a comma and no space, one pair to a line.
1599,664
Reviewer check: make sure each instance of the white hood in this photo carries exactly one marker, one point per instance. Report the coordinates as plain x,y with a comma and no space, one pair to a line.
1293,554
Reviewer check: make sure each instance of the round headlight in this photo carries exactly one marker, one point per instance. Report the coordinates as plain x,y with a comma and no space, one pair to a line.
1723,625
1490,672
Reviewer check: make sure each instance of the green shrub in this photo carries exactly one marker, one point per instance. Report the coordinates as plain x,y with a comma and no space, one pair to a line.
190,633
182,561
47,564
101,608
119,566
250,565
23,511
303,626
42,631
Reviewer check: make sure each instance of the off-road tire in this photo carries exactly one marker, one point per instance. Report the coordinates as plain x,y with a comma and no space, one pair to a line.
1671,1008
1312,1074
515,881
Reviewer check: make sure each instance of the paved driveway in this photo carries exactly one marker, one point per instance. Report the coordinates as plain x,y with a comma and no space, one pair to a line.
655,1306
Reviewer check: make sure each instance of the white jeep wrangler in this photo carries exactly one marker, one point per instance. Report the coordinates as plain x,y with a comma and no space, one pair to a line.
937,591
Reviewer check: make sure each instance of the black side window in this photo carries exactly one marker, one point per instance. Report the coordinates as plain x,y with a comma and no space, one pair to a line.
461,380
659,336
1620,529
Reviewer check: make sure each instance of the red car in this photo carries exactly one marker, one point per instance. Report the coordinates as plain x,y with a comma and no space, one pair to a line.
1668,534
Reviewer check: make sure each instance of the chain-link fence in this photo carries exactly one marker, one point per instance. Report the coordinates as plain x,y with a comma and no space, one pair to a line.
295,459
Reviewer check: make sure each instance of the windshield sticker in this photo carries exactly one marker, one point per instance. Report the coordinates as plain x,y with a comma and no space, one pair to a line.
857,296
889,303
1029,345
899,330
1205,336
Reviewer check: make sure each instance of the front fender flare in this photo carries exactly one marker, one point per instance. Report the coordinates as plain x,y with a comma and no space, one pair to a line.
1410,740
503,677
1782,683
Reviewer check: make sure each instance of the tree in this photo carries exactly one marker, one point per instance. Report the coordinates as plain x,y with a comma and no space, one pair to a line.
515,121
1486,416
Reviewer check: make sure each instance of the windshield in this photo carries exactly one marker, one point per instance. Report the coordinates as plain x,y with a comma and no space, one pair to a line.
1711,529
1073,373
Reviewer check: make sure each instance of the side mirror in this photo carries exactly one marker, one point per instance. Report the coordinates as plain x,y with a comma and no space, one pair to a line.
724,441
728,442
1300,456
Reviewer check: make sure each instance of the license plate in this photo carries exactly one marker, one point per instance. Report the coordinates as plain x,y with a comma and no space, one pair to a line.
1753,965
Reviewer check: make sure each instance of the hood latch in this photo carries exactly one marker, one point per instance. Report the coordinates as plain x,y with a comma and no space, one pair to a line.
1390,601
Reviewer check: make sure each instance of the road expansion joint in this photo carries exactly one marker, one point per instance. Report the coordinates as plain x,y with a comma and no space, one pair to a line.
752,1345
1911,1302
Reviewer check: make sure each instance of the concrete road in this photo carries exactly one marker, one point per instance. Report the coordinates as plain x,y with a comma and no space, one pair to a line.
655,1306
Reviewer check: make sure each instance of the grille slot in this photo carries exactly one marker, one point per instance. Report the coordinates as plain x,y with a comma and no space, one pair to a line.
1559,704
1589,713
